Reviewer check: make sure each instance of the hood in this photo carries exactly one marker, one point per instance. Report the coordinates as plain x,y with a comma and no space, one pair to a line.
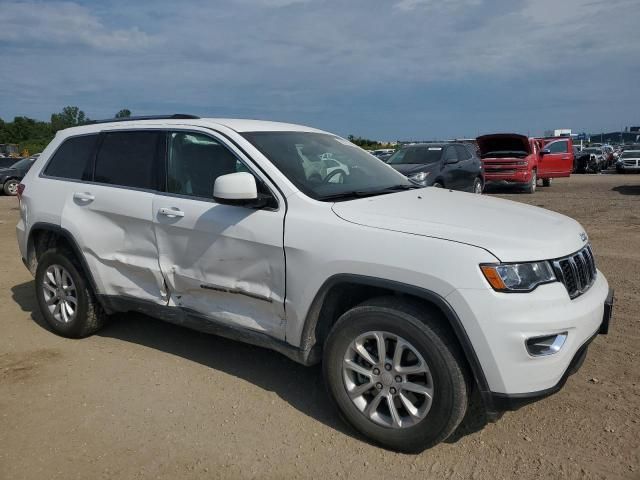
410,168
9,171
503,142
511,231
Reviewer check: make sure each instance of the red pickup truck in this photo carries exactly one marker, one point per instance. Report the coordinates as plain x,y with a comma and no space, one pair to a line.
517,159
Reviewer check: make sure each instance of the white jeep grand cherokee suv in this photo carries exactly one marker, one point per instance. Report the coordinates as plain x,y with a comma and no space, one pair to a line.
411,297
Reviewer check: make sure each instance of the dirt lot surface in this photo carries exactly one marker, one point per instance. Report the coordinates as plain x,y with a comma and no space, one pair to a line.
145,399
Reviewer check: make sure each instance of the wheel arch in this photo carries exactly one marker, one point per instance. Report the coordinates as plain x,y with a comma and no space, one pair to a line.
44,236
341,292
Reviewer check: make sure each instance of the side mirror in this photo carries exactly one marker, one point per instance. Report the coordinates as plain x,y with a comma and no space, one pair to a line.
235,189
545,151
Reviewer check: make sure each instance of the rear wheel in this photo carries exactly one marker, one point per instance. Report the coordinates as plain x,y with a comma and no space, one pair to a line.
64,297
477,185
11,187
437,185
396,374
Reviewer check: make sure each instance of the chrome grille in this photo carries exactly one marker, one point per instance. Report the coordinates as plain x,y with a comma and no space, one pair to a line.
577,272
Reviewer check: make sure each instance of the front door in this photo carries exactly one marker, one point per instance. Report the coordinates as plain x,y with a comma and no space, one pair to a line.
558,162
219,261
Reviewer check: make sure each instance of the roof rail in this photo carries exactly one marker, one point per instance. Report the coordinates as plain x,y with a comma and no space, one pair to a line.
175,116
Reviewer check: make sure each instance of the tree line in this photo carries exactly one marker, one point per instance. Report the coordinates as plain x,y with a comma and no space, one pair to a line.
33,136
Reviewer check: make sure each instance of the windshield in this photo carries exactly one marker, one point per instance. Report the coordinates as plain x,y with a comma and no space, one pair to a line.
416,155
631,154
24,163
325,166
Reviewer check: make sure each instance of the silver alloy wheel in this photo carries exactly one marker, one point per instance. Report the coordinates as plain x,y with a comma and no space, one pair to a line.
387,379
12,187
60,293
478,186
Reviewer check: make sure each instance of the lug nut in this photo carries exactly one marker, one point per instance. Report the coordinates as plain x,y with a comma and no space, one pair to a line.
392,390
376,371
379,386
398,378
387,366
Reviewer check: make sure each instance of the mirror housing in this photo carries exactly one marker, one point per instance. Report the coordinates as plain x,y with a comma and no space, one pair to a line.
235,189
545,151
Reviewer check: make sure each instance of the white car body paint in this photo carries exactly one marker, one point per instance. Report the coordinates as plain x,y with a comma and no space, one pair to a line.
262,269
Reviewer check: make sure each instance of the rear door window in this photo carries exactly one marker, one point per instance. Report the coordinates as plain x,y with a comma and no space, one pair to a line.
128,159
73,159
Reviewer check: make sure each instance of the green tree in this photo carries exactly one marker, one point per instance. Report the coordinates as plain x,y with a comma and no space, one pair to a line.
124,113
69,117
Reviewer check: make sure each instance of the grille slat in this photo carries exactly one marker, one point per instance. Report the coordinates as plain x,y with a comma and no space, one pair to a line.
577,272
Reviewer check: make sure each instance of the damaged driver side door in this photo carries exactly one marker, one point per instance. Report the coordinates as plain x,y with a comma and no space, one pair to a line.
220,262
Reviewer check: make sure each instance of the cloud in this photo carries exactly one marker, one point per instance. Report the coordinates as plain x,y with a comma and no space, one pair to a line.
64,23
355,67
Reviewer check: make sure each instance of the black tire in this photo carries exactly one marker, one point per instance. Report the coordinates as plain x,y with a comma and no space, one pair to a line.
432,340
546,182
437,185
89,315
533,183
477,185
11,187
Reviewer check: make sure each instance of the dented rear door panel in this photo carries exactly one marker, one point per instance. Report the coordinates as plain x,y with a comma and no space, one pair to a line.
115,228
224,262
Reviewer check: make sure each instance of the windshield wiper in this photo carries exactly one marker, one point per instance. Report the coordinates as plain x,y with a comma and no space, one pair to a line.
369,193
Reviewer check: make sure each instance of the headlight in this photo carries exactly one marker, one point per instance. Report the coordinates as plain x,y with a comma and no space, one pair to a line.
518,277
420,177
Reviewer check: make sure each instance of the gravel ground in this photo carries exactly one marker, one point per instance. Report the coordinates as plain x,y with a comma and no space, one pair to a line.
145,399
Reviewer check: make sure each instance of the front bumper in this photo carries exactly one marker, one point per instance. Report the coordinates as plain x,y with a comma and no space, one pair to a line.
498,325
512,176
500,402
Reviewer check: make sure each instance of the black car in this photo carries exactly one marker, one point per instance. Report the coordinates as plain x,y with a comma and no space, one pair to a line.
10,177
448,165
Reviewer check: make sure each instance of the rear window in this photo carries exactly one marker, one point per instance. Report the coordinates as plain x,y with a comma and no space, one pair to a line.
128,159
72,159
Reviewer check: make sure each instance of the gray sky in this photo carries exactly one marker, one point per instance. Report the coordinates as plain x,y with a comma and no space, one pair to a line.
383,69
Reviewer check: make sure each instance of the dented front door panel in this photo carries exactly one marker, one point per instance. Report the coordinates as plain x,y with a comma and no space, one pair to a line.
224,262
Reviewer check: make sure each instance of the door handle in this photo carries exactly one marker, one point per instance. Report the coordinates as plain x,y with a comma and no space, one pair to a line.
171,212
84,197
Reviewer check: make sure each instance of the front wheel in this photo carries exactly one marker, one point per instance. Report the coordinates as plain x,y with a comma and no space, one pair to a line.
395,374
533,183
11,187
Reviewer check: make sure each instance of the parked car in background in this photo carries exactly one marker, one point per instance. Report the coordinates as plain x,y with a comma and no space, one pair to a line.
608,155
510,158
10,177
629,161
447,165
591,159
380,152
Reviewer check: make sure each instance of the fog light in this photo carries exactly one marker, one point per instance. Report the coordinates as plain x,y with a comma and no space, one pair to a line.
546,345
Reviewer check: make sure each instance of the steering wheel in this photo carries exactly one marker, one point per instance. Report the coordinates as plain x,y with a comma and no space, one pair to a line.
334,173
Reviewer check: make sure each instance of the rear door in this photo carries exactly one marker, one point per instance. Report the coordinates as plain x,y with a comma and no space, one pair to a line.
469,168
221,262
111,215
558,162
